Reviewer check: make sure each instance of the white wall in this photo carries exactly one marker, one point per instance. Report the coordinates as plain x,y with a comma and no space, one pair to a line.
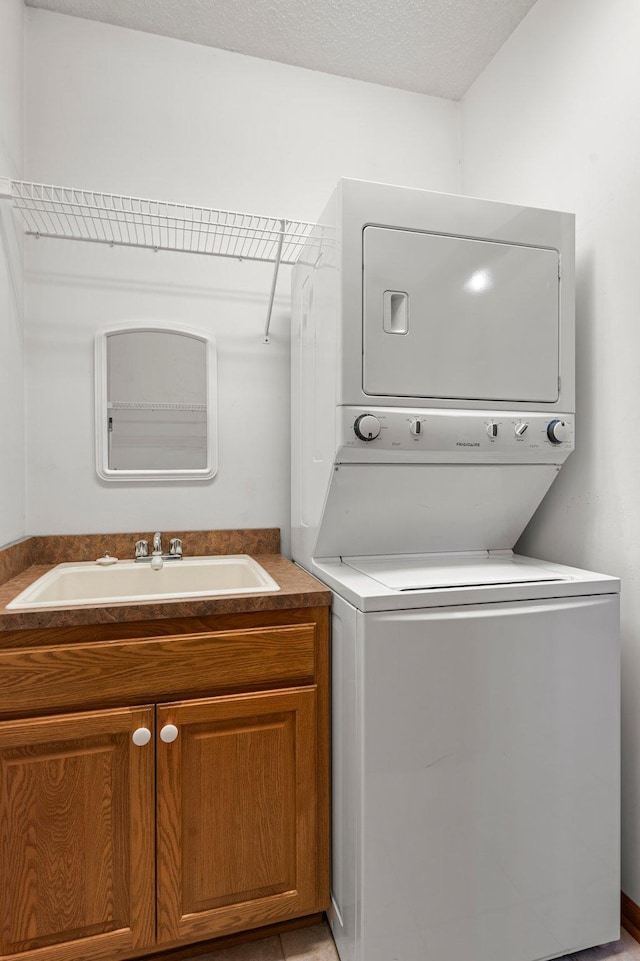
553,122
113,109
12,427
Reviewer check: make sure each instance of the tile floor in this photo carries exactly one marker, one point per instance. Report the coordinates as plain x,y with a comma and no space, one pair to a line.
315,944
626,949
305,944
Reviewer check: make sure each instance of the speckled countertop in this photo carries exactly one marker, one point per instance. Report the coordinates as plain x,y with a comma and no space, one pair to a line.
18,570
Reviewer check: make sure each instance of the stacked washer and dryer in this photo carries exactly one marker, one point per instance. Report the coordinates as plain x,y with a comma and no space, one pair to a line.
475,692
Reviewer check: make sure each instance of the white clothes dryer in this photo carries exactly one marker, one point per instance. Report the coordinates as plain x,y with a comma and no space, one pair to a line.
475,693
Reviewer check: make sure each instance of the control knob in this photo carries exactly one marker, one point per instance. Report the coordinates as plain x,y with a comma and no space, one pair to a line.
366,427
416,427
557,431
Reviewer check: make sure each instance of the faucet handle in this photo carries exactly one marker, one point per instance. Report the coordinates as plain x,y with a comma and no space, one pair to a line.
142,548
175,547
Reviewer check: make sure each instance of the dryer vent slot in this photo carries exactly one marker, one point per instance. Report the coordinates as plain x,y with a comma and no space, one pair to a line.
459,584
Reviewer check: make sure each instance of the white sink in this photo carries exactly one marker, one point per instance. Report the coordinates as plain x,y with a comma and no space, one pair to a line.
89,584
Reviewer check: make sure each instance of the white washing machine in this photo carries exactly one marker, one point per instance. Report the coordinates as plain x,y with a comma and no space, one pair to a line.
475,692
475,758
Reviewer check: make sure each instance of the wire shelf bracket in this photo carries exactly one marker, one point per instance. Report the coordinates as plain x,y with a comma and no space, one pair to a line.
71,213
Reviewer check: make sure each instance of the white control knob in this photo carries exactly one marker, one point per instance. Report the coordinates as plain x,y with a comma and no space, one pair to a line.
416,427
492,430
521,428
366,427
141,736
168,733
557,431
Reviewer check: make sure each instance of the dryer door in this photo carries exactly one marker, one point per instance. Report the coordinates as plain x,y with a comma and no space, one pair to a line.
447,317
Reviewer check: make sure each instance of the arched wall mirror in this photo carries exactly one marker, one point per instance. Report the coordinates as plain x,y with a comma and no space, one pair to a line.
155,404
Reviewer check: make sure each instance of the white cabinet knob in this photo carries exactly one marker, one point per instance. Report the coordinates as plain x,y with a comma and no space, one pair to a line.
141,736
168,733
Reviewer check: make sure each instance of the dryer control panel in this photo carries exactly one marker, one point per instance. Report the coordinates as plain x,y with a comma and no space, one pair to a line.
397,435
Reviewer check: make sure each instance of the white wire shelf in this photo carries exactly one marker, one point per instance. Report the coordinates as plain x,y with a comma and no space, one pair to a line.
71,213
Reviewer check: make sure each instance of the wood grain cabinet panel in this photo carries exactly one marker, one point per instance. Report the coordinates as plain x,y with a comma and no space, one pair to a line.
76,836
109,850
237,813
66,676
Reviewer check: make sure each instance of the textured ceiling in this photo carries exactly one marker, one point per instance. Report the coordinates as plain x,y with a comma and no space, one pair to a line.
431,46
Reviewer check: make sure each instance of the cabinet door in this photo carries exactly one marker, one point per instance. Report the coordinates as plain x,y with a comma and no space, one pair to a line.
76,836
237,813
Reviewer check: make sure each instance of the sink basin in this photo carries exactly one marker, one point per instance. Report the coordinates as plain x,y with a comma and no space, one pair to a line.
89,584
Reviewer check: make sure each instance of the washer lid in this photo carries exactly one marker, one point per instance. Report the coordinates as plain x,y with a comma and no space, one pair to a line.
432,572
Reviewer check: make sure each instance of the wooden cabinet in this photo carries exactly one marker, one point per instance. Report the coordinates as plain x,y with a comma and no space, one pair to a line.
218,824
76,816
237,813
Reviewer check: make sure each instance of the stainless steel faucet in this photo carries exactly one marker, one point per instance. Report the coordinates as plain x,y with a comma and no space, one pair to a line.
142,549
